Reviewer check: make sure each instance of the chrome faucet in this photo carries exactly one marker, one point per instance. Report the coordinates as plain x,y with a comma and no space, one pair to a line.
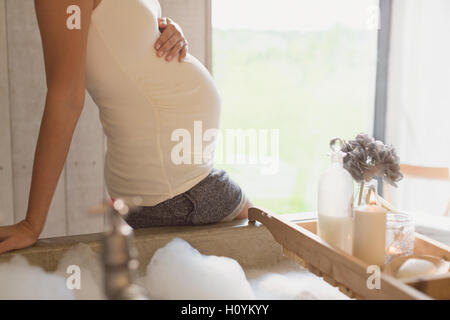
119,258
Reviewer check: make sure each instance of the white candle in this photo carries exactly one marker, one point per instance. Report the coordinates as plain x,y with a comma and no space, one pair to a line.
369,234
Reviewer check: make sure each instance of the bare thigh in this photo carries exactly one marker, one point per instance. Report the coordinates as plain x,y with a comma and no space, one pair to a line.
244,213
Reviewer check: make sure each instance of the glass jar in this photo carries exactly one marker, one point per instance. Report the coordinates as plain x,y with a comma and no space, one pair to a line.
399,235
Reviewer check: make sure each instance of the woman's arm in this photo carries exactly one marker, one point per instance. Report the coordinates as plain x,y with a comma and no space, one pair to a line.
65,56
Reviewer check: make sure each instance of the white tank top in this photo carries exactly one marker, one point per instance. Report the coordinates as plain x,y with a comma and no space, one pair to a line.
142,100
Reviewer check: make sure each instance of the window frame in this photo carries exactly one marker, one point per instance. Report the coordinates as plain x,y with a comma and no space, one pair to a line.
382,75
381,82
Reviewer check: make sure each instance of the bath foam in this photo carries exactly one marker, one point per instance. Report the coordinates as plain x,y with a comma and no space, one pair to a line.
178,271
91,270
300,285
20,281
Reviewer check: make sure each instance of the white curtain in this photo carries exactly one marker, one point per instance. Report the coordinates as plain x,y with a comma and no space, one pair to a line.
419,99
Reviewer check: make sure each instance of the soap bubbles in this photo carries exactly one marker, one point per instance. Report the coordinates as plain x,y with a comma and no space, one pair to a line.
179,271
176,271
293,286
91,272
20,281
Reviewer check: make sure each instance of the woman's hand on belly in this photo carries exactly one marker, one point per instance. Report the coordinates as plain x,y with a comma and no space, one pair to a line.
172,41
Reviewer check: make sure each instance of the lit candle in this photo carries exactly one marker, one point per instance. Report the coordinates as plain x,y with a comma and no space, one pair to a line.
369,235
394,251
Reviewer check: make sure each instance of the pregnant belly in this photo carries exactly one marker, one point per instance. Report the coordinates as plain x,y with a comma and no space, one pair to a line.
167,95
185,87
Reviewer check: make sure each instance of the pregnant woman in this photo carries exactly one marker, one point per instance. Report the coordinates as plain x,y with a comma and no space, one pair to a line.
149,90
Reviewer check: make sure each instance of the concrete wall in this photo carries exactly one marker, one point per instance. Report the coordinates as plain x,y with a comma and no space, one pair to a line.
22,97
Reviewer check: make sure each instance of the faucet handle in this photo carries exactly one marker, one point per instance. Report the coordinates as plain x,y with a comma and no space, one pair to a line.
118,205
115,212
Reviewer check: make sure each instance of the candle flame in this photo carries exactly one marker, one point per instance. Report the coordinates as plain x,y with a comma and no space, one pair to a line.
394,250
372,198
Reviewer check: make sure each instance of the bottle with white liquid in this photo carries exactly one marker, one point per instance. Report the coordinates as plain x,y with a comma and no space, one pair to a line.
335,202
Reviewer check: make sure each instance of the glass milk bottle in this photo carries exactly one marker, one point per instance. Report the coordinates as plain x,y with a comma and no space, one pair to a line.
335,202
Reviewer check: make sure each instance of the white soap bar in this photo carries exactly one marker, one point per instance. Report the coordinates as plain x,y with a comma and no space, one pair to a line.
415,267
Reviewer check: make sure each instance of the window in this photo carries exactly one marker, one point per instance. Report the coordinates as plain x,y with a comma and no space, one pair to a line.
305,68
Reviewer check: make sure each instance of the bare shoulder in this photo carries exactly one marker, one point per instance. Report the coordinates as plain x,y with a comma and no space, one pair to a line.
64,26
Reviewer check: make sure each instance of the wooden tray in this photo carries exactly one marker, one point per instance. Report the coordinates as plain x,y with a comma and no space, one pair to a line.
301,243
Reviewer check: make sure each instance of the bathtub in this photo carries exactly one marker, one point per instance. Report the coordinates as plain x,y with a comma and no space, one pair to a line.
251,244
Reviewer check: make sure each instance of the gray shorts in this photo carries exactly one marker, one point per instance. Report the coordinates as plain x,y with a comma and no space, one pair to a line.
214,199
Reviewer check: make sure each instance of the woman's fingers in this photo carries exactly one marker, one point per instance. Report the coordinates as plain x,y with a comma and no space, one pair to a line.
162,23
183,52
171,42
16,241
175,49
167,31
16,236
163,37
7,245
